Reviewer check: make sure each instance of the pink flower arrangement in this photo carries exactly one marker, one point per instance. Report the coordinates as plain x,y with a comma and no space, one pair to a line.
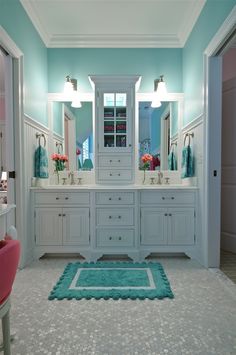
78,151
59,160
146,159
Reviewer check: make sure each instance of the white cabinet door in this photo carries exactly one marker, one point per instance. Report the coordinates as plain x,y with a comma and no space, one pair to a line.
48,226
75,226
153,226
180,226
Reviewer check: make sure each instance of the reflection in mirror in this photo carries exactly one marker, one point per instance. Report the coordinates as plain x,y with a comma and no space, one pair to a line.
157,127
76,126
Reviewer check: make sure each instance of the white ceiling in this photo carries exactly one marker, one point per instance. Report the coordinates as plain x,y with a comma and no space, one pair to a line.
114,23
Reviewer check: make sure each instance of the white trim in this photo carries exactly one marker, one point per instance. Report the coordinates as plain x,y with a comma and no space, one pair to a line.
35,124
188,25
31,11
7,43
212,141
58,96
193,124
57,137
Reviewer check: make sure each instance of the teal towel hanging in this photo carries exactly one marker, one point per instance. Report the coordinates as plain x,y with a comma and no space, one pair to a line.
41,163
172,161
187,162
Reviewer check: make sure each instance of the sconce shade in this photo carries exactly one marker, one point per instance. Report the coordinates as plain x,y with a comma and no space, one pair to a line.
4,175
160,92
155,102
76,100
68,86
88,165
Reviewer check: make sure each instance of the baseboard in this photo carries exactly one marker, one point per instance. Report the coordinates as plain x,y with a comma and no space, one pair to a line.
228,242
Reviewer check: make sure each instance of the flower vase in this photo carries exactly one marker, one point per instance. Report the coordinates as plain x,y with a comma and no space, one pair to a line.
57,177
144,176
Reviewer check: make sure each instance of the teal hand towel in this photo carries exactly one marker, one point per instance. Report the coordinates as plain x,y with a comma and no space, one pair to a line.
41,163
187,162
172,161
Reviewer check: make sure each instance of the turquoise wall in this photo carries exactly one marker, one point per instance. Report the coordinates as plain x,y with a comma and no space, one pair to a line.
58,118
16,23
209,21
149,63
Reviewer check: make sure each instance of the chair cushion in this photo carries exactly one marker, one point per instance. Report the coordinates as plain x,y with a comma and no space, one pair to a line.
9,260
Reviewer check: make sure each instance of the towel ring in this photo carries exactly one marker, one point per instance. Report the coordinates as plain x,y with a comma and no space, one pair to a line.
58,145
188,135
39,136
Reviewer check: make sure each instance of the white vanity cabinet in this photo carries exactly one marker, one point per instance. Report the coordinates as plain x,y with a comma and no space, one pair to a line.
114,128
167,221
61,222
116,223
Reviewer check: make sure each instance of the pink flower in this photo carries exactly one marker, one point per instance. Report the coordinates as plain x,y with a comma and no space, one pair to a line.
78,151
146,158
64,157
55,156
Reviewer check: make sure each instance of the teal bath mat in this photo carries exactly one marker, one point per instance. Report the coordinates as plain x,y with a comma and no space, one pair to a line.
112,280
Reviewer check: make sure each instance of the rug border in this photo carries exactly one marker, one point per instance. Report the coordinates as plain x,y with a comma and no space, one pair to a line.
159,294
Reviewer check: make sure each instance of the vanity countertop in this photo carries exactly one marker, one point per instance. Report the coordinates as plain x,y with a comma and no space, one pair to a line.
113,187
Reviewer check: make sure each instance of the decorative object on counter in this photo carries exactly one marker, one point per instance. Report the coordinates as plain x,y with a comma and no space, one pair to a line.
41,158
187,158
172,161
78,152
146,159
152,180
116,280
60,160
88,165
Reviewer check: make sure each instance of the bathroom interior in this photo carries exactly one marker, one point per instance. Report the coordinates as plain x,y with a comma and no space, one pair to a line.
108,166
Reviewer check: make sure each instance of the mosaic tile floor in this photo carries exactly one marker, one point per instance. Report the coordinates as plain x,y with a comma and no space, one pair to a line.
200,320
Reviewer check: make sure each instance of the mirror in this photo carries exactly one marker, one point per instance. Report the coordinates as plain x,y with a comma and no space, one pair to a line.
75,128
158,134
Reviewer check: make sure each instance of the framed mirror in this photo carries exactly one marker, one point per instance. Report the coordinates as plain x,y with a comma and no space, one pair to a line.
158,131
73,133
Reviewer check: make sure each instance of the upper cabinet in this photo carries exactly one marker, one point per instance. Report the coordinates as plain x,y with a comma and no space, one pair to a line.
114,127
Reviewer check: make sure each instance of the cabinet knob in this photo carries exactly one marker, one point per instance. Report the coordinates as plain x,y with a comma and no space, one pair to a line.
57,198
172,198
109,199
110,174
64,215
59,215
166,214
119,198
170,214
110,161
119,217
119,174
130,145
110,217
66,198
118,160
163,198
119,238
110,238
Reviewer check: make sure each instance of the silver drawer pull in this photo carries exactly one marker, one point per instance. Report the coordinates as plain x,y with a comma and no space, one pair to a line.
118,160
119,198
170,214
119,174
172,198
166,214
119,217
64,215
59,215
110,199
163,198
110,217
66,198
119,238
110,161
110,238
110,174
57,198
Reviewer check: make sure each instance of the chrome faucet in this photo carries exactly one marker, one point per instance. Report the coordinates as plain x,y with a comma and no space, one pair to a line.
159,177
72,180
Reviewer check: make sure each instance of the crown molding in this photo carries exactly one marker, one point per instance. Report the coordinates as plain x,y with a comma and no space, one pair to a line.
188,25
31,11
114,41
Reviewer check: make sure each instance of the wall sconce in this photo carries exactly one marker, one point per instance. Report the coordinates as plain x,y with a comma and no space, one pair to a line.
160,92
70,90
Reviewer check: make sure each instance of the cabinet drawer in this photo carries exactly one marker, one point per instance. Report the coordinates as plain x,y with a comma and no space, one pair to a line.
118,198
114,175
167,198
62,198
115,238
115,161
115,216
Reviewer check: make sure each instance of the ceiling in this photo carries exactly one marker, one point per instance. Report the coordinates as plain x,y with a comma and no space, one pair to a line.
113,23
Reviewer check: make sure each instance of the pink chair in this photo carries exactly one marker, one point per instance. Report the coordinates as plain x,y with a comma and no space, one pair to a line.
9,259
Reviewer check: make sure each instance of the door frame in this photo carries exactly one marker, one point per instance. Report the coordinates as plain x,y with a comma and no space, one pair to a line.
212,140
18,118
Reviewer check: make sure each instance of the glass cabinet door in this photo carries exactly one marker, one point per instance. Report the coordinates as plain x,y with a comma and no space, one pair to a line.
115,122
